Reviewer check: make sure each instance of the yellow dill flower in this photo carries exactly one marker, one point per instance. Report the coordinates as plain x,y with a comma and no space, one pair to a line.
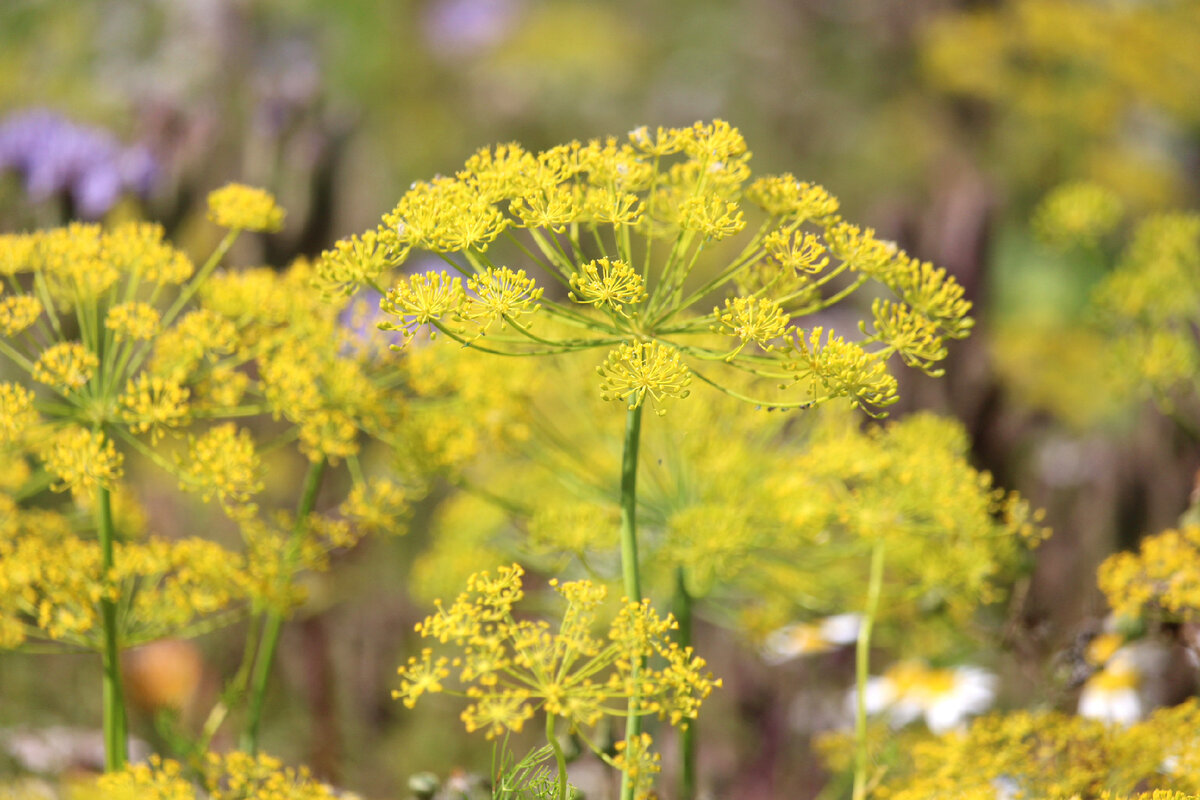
908,333
138,248
328,433
634,371
222,463
17,252
74,264
784,196
199,336
501,295
552,207
379,506
421,676
231,776
1164,573
681,185
425,299
512,667
18,312
713,217
1077,214
17,415
155,404
759,320
244,208
353,262
843,369
613,284
248,296
82,460
137,321
640,763
223,387
799,252
65,366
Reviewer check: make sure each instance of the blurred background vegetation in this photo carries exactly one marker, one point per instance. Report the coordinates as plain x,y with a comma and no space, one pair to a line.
942,124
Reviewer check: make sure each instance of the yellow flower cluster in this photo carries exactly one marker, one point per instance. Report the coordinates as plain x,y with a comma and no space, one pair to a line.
1063,77
1150,304
244,208
51,585
223,464
634,372
66,366
1053,755
1077,214
513,667
1164,573
232,776
135,320
683,193
82,460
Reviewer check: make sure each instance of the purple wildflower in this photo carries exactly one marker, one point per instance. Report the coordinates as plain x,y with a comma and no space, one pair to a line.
55,155
459,27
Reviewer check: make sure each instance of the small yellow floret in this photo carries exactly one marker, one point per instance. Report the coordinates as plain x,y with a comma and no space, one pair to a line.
65,366
245,208
136,321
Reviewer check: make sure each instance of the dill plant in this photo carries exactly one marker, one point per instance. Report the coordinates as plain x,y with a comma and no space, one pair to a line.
651,251
124,349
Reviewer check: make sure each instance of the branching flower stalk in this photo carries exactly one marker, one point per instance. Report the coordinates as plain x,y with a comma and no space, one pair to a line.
273,617
638,240
511,667
862,670
115,738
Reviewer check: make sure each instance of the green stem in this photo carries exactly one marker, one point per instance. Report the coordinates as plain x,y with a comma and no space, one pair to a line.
114,705
274,617
687,736
862,662
559,757
629,566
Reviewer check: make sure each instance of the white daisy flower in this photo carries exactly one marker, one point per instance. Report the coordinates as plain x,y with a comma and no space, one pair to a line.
805,639
1112,693
944,698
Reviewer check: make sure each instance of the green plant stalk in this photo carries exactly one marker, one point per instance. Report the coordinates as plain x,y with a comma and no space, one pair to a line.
687,736
114,704
274,618
862,663
629,566
560,758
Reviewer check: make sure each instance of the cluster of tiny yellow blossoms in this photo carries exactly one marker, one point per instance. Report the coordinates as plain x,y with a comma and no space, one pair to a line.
244,208
51,583
1163,574
511,668
779,511
118,343
1077,214
1062,78
1150,304
1052,755
232,776
666,215
223,464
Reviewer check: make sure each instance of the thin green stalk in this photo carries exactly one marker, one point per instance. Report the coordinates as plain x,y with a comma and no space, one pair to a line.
559,757
687,736
629,565
114,705
274,618
862,662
